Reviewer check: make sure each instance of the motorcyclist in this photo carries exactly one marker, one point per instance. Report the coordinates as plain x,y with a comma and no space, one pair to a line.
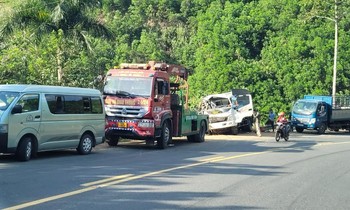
281,118
284,122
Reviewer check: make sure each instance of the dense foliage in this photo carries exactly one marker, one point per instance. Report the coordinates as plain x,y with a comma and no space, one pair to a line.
278,49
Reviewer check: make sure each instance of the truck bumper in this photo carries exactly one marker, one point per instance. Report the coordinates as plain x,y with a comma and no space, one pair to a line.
221,125
304,126
130,129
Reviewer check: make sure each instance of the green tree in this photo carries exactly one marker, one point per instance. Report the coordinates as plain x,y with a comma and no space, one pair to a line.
68,19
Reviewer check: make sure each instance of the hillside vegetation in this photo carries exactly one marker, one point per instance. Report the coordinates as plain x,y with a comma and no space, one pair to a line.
278,49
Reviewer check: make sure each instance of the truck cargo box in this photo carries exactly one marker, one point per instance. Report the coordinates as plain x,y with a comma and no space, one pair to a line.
340,115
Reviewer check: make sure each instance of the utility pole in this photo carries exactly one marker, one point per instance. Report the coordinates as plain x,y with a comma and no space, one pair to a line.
334,19
335,49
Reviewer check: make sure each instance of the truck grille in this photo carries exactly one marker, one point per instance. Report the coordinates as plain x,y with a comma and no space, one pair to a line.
126,111
303,120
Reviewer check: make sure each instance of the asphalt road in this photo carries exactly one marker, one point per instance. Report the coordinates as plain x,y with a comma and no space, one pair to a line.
310,171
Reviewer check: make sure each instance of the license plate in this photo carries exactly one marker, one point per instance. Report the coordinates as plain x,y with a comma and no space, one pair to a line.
122,125
301,125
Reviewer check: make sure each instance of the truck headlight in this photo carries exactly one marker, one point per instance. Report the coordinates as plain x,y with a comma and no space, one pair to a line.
146,124
312,121
3,128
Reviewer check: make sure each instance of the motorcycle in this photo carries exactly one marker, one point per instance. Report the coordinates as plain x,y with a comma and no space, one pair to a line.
282,131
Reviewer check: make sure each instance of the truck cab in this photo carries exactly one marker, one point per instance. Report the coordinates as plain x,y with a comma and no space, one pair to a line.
228,112
310,114
321,113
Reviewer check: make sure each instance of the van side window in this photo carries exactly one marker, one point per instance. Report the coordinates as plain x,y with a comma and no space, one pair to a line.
96,104
74,104
55,103
87,104
59,105
29,102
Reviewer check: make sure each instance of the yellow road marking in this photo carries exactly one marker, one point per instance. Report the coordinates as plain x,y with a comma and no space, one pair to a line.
106,180
130,177
33,203
243,155
212,158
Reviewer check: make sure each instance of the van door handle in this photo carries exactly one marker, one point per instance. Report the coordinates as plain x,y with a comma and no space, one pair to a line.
37,117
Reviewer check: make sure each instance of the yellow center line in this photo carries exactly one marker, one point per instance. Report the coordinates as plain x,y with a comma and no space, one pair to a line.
56,197
243,155
211,159
106,180
129,177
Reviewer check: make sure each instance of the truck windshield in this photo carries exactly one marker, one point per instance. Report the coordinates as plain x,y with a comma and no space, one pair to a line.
304,107
6,99
128,86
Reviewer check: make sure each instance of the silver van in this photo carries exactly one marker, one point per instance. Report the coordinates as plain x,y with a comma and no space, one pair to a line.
35,118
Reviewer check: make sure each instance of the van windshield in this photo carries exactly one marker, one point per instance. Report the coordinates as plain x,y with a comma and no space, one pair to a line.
6,99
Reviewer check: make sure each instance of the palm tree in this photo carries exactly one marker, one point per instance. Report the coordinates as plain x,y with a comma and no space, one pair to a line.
67,19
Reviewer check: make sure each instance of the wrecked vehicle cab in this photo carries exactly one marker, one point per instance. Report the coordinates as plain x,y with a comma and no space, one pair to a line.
229,112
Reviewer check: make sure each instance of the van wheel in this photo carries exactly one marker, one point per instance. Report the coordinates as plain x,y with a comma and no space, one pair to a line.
24,150
113,141
165,137
85,144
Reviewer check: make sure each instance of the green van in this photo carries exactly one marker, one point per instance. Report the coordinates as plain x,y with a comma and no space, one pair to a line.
35,118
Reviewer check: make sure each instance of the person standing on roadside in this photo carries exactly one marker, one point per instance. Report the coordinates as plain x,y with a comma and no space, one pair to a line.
271,120
256,117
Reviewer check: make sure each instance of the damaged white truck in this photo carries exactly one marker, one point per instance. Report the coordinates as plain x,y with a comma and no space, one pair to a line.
229,112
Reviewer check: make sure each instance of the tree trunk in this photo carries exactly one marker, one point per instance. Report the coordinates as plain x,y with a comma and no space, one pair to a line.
59,54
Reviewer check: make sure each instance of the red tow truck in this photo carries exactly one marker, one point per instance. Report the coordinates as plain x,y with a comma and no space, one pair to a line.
150,102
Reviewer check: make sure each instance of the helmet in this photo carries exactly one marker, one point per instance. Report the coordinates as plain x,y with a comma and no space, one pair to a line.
281,114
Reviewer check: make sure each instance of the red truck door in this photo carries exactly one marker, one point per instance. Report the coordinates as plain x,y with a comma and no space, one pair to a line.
161,101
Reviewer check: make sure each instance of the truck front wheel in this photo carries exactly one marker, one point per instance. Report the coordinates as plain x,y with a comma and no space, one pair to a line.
113,141
322,129
234,130
299,129
165,137
249,126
